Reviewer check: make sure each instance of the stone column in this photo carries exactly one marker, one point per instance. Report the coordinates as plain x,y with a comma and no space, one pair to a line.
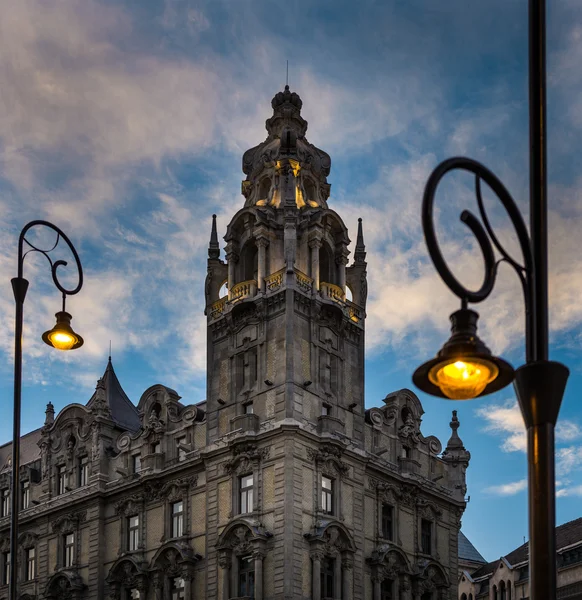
342,261
377,581
188,587
258,556
225,564
347,587
231,259
337,579
315,245
406,588
316,575
262,244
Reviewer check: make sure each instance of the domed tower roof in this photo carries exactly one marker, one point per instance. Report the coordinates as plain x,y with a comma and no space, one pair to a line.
286,148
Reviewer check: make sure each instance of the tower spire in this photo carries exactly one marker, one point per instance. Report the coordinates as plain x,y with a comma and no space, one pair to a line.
360,252
213,247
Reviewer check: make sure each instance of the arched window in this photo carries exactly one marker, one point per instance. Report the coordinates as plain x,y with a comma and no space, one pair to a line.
495,597
327,270
463,596
502,591
248,262
509,590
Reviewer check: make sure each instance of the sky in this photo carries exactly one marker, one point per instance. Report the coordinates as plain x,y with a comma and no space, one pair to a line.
124,123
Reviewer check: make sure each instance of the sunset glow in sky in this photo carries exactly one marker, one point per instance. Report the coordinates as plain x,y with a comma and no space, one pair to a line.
124,123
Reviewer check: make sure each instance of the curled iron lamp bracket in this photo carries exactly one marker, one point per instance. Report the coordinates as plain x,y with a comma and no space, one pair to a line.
46,252
484,234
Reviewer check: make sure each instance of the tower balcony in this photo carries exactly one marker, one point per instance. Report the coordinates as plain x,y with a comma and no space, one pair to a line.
332,292
247,423
242,290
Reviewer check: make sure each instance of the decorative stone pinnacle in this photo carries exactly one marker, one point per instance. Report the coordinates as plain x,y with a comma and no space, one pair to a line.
360,252
213,246
50,414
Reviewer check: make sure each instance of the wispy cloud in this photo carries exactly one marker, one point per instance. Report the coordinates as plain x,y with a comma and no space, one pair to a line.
507,489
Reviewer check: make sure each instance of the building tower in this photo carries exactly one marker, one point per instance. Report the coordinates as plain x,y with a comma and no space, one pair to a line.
286,342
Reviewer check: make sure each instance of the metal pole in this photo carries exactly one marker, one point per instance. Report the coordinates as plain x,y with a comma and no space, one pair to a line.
19,286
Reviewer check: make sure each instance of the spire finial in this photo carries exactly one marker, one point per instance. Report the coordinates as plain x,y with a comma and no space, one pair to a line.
287,77
109,350
213,247
360,252
50,414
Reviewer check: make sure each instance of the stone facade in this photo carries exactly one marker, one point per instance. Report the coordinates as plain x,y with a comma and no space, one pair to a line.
508,577
281,484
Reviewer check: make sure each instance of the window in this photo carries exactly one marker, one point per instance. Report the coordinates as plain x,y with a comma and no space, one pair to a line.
133,594
177,588
83,471
426,536
246,576
327,577
179,450
69,549
132,533
386,589
29,556
5,507
326,495
61,480
249,408
325,410
5,568
136,463
405,452
156,448
426,596
177,519
25,495
387,521
246,494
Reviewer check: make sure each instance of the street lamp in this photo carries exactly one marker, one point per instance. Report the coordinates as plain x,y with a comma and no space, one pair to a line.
464,368
61,336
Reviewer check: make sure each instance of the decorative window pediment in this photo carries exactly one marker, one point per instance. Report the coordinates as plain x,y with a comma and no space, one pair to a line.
241,537
64,585
332,539
129,505
69,523
328,459
127,574
428,510
245,457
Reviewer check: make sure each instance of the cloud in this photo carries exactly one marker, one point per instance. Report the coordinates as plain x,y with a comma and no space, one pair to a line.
572,491
507,489
568,459
505,420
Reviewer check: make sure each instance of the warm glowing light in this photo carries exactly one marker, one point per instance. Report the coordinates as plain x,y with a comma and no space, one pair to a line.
62,340
463,379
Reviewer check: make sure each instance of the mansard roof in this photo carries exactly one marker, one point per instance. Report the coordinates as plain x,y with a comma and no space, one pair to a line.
123,411
467,551
29,450
566,535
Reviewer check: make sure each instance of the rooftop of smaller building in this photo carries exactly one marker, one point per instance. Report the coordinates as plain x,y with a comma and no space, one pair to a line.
467,551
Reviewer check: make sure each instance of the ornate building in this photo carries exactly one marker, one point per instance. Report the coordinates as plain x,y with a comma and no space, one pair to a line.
281,484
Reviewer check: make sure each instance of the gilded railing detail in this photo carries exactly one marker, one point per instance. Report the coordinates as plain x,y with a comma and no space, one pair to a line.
354,312
275,281
333,292
244,289
217,308
304,283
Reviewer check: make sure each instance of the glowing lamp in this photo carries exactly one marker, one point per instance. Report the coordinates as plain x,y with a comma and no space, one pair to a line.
464,367
62,336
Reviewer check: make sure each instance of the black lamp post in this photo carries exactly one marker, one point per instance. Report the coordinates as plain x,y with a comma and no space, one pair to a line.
464,368
61,336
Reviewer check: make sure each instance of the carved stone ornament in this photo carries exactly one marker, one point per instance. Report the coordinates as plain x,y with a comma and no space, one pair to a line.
69,523
409,431
129,505
169,490
408,495
386,491
428,509
328,458
245,458
27,539
4,544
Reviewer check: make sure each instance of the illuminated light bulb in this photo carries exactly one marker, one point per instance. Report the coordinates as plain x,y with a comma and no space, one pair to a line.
62,340
463,379
62,336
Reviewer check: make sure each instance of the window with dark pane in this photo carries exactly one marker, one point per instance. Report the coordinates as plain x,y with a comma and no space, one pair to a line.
136,463
68,549
327,495
132,594
177,509
5,506
133,533
386,589
426,536
83,471
246,494
30,559
25,495
327,577
61,480
387,521
177,588
246,576
5,568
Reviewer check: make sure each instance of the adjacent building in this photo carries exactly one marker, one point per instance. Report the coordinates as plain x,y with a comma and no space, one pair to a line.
281,484
508,577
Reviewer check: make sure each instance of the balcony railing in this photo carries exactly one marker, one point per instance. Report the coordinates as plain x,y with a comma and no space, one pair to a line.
304,283
217,308
248,422
242,290
332,292
274,282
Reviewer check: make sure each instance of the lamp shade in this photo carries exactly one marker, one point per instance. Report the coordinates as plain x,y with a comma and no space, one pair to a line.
62,336
464,367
